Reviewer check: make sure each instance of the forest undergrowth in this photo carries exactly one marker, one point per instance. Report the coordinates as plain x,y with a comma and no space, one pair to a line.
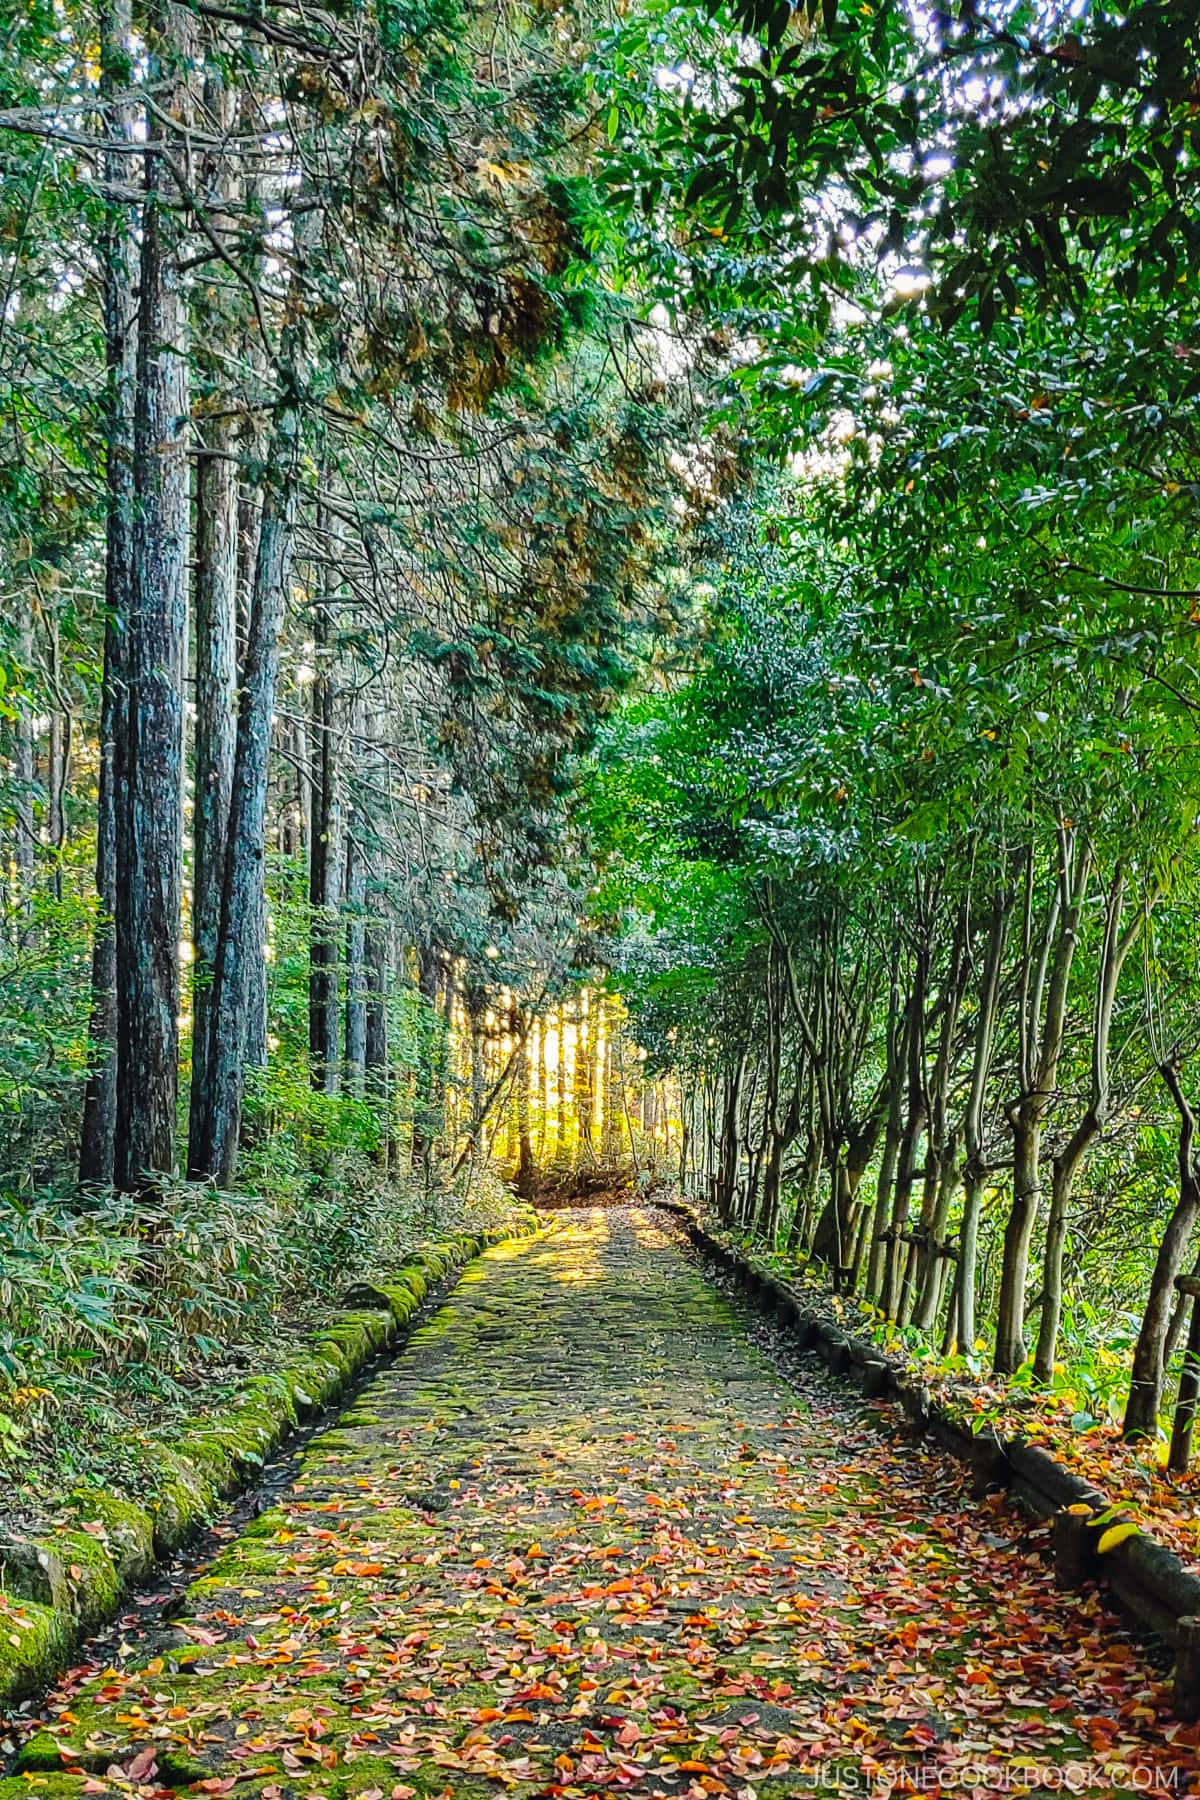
120,1320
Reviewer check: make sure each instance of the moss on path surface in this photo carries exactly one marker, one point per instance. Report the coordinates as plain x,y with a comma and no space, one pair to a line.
581,1538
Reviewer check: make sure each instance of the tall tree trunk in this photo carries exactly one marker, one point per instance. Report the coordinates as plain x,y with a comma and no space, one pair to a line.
939,1253
914,1125
1042,1048
216,677
427,1087
526,1166
584,1097
1067,1164
98,1133
974,1138
799,1230
730,1141
563,1115
943,1142
149,830
475,1004
356,976
540,1088
241,899
58,762
893,1131
376,1054
24,785
324,868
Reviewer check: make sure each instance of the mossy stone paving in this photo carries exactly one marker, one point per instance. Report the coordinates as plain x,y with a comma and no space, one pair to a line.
581,1538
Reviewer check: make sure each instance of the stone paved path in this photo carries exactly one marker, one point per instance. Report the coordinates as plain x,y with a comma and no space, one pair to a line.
581,1538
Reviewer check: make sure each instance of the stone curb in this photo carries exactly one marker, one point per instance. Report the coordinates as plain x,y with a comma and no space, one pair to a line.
57,1590
1151,1585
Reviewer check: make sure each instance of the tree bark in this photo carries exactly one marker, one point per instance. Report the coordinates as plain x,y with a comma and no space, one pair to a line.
974,1137
356,976
149,830
215,1152
216,678
914,1125
323,883
893,1131
376,1051
427,1085
98,1133
730,1141
1041,1048
526,1166
1114,951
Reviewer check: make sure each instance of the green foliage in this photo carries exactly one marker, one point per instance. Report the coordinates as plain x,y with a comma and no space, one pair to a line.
44,1002
117,1314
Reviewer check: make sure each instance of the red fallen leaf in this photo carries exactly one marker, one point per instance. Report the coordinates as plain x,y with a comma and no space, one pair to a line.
215,1784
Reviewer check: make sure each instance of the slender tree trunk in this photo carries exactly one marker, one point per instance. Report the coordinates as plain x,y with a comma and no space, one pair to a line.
23,789
526,1166
216,679
58,762
376,1053
475,1004
893,1132
540,1078
250,517
1067,1164
1027,1115
98,1134
561,1121
730,1142
215,1152
974,1139
798,1239
943,1141
914,1125
356,976
584,1098
215,610
939,1252
426,1095
149,831
1062,1186
324,868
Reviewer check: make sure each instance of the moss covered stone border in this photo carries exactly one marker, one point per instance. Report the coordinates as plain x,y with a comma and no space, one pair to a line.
1150,1584
59,1589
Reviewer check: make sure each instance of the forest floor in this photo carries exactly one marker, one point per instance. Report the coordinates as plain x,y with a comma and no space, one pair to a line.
591,1532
